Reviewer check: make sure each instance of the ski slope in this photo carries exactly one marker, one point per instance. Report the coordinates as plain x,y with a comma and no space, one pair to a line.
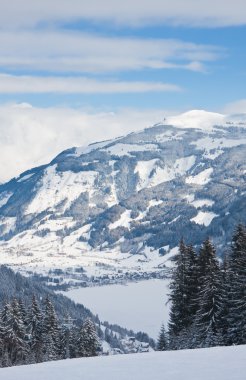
220,363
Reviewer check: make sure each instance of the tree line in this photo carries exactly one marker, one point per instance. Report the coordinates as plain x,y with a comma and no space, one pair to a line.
33,334
208,297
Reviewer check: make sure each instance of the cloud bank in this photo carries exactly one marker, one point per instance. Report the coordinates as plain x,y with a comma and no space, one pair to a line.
77,52
237,107
209,13
32,136
10,84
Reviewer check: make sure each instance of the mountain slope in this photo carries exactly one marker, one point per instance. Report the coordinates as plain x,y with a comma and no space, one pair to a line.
122,205
14,285
220,363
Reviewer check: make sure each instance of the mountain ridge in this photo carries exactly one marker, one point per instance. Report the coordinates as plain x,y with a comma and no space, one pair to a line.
121,205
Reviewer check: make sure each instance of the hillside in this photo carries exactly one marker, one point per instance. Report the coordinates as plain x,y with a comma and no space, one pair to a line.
221,363
14,285
117,209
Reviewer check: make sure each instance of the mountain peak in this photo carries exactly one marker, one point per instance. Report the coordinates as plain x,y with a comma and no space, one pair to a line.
199,119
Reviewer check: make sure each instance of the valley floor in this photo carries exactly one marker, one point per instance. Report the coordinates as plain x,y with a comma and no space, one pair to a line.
220,363
140,306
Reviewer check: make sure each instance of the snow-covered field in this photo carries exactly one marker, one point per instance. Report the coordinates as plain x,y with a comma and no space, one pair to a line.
221,363
137,305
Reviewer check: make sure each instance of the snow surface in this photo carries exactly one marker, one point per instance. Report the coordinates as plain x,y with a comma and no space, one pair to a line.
201,178
8,224
169,171
87,149
214,147
140,306
169,136
4,198
144,169
202,203
124,221
219,363
204,218
25,177
198,119
68,252
121,149
57,187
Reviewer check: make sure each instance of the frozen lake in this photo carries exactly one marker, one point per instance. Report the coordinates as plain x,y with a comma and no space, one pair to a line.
140,306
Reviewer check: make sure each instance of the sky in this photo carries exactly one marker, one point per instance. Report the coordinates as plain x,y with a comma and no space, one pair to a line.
75,71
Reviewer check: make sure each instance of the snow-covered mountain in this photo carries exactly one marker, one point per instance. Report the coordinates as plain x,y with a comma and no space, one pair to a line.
119,207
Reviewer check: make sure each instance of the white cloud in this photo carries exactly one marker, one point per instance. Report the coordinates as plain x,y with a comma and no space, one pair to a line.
64,51
209,13
10,84
32,136
238,106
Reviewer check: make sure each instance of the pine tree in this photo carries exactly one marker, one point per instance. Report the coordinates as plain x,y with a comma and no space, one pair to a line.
64,349
191,285
34,320
183,295
65,337
21,347
237,288
162,343
88,342
178,295
74,340
225,289
1,340
209,297
51,334
23,311
14,346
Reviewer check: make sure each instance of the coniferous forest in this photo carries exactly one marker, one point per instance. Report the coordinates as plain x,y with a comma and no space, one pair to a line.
208,297
208,308
34,335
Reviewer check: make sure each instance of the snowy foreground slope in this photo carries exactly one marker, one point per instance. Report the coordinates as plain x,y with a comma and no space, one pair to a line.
118,208
221,363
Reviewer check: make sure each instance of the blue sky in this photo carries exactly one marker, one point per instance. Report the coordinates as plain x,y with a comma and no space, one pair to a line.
199,60
76,71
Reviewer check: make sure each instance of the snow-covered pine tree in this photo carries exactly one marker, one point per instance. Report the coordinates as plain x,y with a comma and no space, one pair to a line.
88,341
34,320
1,340
21,346
191,283
51,334
65,337
13,335
225,289
162,343
64,351
237,288
23,311
209,311
183,295
6,335
177,295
